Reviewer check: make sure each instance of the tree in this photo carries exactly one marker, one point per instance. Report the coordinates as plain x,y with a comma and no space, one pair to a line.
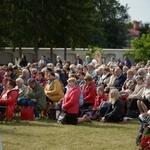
4,23
144,28
111,22
92,51
140,48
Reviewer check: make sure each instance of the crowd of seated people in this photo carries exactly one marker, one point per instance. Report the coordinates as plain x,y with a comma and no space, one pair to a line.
42,84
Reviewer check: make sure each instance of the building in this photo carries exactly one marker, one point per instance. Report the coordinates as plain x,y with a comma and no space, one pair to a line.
133,33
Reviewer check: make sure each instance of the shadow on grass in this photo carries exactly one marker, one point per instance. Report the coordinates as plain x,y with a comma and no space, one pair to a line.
97,124
53,123
40,123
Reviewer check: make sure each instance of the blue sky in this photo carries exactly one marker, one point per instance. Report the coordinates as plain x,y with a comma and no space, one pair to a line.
139,10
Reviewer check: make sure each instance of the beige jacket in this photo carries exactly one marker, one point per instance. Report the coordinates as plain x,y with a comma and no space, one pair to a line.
137,93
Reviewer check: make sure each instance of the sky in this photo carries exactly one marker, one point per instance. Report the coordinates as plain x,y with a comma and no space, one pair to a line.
139,10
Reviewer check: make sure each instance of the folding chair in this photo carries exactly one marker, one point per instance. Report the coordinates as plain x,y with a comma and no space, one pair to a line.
4,117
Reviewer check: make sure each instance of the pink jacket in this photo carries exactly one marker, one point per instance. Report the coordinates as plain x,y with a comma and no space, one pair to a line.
71,100
98,101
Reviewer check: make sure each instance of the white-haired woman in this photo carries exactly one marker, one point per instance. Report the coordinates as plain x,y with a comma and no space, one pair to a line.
87,61
58,61
21,87
115,111
25,75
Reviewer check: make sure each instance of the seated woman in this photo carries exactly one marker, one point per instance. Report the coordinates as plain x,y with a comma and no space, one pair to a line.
99,108
105,77
89,91
111,80
25,75
100,105
144,103
128,86
3,85
70,102
54,89
115,111
21,87
9,98
41,79
131,102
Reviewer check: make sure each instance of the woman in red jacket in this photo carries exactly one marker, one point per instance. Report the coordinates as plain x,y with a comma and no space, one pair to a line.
70,102
9,98
99,108
89,91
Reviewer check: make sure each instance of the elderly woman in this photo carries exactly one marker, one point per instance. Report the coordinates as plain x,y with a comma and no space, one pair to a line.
131,102
25,75
115,111
54,88
21,87
142,72
70,102
128,86
91,70
33,72
112,63
40,78
89,91
87,61
58,61
79,68
9,98
105,77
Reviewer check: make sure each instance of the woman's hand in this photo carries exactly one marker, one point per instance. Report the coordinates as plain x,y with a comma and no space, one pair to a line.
63,109
145,114
98,108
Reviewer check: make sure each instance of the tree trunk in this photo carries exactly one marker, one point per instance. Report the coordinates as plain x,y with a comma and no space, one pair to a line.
36,47
51,54
65,53
20,51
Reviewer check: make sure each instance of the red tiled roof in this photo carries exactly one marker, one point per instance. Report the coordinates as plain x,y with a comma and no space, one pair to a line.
133,32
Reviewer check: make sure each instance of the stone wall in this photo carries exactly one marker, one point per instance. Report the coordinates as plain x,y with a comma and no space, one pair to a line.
8,55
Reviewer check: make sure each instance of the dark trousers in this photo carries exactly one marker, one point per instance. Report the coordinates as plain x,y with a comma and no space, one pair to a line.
114,118
71,119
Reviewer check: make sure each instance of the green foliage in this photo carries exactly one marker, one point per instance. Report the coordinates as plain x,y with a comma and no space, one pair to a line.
111,23
144,28
45,23
66,23
140,48
92,50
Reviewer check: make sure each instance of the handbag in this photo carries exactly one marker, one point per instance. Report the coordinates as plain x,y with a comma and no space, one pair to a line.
62,118
27,113
53,113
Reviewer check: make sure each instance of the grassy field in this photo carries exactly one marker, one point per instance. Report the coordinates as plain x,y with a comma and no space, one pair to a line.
48,135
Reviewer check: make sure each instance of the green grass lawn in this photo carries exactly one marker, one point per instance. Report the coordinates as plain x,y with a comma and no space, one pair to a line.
48,135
